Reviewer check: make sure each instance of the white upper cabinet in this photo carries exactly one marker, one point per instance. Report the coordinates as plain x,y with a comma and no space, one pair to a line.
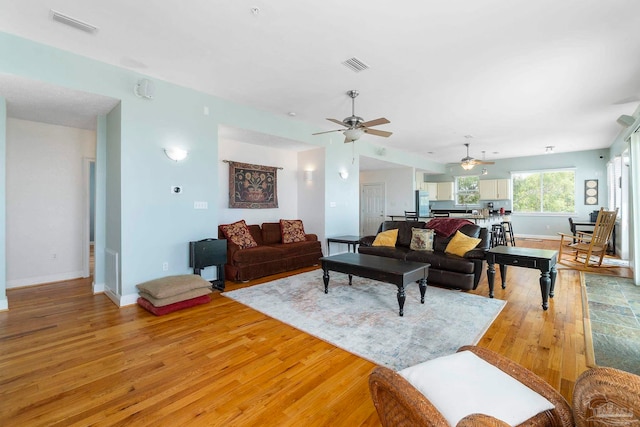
439,191
495,189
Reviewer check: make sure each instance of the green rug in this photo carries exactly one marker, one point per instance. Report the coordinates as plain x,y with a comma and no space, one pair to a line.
363,318
612,313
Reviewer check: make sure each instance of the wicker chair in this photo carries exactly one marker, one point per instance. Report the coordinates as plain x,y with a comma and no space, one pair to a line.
606,397
399,403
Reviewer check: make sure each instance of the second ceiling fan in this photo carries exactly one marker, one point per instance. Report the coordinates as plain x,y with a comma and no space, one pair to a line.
356,126
469,162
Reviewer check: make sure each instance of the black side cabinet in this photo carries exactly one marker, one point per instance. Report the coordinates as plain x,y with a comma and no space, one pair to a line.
206,253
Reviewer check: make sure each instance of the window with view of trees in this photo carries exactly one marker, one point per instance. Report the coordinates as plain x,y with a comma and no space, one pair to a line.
551,191
467,190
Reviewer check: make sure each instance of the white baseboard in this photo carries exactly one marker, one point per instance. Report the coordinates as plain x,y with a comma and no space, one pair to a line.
121,301
39,280
98,288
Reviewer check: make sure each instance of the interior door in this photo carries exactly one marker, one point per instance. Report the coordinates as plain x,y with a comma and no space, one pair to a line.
372,206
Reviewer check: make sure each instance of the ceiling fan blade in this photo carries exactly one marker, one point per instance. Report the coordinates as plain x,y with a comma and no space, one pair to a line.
376,122
328,131
378,132
338,122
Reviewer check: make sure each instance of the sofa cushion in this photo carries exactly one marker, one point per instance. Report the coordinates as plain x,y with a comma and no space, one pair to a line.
239,234
387,251
460,244
421,239
271,233
386,238
441,261
404,230
463,383
292,231
299,248
257,255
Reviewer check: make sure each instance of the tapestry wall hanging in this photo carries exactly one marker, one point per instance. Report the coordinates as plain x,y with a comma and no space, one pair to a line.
252,186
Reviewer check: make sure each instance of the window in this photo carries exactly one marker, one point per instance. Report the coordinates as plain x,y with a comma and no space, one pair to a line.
551,191
467,190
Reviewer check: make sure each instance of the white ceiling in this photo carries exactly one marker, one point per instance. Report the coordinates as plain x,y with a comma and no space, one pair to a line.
515,75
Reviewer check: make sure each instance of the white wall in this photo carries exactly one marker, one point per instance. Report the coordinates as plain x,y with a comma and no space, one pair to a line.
399,183
260,155
45,205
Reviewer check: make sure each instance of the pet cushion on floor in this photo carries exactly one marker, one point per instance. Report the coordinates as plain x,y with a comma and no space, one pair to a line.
159,302
166,309
173,285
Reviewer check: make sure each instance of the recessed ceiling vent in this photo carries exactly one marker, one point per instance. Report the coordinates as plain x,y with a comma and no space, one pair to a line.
73,22
355,65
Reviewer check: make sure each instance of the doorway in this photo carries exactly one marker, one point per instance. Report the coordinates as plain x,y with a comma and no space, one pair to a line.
372,207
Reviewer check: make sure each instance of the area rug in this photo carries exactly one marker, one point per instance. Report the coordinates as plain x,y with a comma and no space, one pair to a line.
611,307
363,318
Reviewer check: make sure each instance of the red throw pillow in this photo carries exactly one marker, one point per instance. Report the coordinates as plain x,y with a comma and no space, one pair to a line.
292,231
238,233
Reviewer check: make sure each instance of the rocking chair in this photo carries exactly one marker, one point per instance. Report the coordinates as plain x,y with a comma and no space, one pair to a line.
595,243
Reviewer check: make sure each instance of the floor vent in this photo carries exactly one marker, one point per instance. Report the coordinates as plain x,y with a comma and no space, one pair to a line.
356,65
73,22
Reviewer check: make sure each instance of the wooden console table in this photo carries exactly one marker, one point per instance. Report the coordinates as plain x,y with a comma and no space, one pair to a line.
541,259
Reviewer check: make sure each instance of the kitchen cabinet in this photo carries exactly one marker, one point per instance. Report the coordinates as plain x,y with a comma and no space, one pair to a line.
439,191
495,189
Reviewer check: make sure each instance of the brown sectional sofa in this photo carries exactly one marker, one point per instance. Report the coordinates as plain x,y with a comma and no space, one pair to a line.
271,256
446,270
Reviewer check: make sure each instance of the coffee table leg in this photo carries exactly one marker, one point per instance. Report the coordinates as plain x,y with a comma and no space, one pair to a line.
554,273
350,277
491,274
422,283
325,279
545,283
401,298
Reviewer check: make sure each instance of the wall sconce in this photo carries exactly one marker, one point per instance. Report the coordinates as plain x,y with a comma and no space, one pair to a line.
176,154
344,174
308,176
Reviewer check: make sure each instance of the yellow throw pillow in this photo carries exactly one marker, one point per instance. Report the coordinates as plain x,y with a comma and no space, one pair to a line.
460,244
386,238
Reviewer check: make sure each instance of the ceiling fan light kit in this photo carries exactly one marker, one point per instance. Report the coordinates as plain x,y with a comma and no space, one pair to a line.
356,126
467,163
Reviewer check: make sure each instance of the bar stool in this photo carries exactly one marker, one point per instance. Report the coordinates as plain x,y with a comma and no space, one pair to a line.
498,236
508,233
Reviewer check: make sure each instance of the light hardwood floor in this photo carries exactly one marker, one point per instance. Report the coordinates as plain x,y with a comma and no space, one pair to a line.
70,358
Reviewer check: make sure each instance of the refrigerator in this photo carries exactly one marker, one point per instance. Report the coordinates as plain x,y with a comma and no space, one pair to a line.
422,202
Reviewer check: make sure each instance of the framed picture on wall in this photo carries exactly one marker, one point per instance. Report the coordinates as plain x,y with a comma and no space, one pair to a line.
591,192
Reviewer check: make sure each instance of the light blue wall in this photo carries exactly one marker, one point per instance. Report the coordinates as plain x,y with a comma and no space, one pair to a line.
142,220
588,164
3,211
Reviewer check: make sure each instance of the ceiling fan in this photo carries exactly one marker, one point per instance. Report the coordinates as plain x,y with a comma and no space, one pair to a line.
356,126
468,162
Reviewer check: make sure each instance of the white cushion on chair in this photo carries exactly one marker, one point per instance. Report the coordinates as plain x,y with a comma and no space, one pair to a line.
462,384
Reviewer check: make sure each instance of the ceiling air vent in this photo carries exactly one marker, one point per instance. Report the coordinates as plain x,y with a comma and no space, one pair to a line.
356,65
73,22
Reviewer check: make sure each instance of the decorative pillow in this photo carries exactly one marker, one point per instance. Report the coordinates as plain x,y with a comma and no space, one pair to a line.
238,233
292,231
386,238
460,244
421,239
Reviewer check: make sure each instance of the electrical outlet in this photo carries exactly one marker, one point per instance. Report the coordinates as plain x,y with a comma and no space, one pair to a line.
165,266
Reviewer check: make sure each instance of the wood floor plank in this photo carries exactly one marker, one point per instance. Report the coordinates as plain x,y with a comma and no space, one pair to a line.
71,358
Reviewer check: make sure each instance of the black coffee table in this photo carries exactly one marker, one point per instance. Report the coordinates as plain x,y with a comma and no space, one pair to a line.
383,269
